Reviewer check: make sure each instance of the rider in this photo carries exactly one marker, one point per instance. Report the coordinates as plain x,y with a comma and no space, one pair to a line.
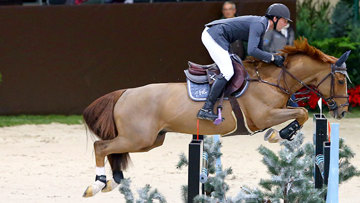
219,34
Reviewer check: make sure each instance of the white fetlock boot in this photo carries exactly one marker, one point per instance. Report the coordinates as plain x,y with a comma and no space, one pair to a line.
110,185
272,136
95,187
114,182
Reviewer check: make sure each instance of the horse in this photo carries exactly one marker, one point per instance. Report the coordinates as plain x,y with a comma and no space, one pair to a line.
137,119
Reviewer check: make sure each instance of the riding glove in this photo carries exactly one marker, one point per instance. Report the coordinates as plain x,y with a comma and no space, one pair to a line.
278,60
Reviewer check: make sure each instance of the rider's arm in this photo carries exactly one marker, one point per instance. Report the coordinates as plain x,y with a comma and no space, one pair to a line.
256,30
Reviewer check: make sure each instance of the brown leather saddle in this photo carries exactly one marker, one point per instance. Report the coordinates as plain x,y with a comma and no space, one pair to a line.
207,73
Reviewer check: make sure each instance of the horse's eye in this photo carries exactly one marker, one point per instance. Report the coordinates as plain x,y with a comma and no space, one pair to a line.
341,82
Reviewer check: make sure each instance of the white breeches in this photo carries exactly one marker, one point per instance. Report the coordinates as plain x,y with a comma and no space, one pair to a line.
219,55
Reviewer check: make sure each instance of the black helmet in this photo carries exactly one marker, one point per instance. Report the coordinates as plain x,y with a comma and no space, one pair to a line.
278,10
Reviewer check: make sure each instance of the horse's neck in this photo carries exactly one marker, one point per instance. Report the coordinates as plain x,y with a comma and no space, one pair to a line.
305,69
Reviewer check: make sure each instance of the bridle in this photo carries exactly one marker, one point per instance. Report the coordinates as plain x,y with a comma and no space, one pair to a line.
330,100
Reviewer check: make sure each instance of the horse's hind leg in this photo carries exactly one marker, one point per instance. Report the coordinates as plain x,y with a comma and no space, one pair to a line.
118,145
100,179
118,174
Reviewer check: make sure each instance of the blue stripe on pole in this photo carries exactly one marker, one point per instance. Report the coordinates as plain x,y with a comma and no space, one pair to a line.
333,184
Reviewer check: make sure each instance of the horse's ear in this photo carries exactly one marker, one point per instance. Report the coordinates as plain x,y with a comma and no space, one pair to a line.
342,59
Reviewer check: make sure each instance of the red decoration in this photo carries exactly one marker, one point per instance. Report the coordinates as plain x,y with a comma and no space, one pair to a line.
354,96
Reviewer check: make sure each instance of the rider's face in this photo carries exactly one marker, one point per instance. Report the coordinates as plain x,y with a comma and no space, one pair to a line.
281,24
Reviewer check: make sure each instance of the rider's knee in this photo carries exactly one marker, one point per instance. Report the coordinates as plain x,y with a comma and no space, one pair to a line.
228,74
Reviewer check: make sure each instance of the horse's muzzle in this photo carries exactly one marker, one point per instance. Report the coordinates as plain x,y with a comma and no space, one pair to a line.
338,114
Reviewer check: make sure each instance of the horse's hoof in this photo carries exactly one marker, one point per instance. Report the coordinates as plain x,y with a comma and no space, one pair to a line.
93,189
110,185
272,136
88,192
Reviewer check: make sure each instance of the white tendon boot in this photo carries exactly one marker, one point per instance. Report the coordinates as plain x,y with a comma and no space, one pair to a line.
94,188
110,185
100,182
114,182
272,136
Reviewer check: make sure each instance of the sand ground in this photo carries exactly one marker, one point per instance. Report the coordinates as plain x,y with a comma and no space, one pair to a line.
55,163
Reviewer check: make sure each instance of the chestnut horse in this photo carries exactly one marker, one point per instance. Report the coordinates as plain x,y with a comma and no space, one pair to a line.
137,119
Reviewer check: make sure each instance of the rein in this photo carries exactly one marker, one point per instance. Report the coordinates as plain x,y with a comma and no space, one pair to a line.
330,100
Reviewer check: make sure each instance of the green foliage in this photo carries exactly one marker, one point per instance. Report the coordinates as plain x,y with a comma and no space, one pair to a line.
182,162
126,191
333,34
291,176
291,173
39,119
145,195
354,33
289,170
313,19
341,19
215,188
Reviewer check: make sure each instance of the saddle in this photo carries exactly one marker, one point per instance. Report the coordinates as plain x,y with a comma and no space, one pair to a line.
200,77
207,73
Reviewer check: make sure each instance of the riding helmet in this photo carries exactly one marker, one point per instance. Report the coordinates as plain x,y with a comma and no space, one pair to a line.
278,10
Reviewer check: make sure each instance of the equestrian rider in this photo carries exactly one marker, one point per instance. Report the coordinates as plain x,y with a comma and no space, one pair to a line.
219,34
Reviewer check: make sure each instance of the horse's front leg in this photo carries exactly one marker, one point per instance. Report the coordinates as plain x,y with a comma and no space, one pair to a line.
278,116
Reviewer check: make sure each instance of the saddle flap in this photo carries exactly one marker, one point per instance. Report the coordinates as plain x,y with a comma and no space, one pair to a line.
197,69
237,81
196,78
207,73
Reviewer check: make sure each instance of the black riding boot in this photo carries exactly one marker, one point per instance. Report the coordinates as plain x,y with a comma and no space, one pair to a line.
217,88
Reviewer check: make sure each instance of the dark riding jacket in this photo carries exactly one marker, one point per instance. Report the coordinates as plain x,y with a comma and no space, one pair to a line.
245,28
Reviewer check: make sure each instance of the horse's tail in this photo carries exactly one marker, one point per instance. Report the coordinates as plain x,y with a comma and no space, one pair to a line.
99,118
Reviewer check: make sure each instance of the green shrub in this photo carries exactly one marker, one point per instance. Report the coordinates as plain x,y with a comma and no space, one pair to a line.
313,19
341,19
334,36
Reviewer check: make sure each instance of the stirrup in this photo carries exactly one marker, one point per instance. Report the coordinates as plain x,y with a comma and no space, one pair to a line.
219,118
206,114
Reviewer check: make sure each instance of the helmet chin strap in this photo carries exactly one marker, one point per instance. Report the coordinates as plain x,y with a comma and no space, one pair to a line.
275,23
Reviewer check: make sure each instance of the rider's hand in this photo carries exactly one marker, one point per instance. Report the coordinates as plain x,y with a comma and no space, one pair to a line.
278,60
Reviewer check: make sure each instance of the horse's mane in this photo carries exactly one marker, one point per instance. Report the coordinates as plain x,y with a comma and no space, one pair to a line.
301,46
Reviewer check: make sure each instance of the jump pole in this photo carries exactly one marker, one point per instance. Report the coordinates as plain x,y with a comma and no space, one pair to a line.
194,168
319,138
333,184
326,167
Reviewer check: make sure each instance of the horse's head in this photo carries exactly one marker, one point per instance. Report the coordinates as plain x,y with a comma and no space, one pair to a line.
327,73
333,87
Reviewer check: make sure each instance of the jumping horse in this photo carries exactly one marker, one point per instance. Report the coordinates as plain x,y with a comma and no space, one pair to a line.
137,119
